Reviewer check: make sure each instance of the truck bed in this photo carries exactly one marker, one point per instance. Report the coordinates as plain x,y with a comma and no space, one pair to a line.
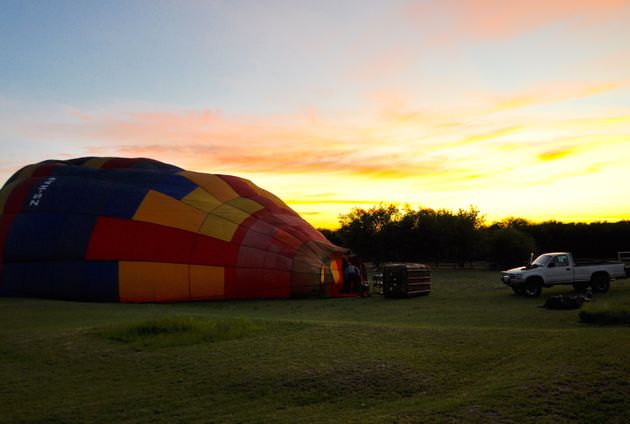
591,263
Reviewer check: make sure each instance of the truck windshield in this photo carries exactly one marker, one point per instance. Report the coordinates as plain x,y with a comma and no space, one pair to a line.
542,260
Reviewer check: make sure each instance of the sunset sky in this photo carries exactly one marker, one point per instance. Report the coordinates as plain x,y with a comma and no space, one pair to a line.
520,108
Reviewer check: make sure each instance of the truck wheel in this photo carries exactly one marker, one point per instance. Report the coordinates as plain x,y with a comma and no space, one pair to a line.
517,291
532,290
600,283
580,288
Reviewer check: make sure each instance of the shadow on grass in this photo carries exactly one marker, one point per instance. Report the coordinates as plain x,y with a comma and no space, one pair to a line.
341,381
173,330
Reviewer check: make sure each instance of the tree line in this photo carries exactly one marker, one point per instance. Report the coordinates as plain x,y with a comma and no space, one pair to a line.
440,236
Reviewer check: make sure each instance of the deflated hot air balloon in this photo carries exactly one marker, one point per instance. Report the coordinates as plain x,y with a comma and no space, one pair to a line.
139,230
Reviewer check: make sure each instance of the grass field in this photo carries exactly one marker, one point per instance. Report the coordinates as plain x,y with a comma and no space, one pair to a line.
468,352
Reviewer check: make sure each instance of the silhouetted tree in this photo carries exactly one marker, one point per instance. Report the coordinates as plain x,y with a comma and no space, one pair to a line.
368,232
385,232
509,247
466,235
331,235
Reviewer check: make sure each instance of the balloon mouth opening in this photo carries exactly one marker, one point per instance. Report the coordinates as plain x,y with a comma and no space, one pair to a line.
334,265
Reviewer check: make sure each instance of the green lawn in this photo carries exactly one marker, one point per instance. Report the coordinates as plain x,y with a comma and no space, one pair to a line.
468,352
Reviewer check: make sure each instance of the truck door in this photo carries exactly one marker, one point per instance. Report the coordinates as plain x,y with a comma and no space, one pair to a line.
559,270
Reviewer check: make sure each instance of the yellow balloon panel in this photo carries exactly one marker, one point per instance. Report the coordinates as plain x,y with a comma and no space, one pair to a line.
247,205
231,213
202,200
159,208
218,227
264,193
334,270
213,184
96,162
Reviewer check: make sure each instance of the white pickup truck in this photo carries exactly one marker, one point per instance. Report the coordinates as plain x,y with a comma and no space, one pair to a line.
554,268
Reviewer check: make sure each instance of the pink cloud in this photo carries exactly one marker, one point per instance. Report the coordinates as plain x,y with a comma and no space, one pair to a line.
211,141
397,106
499,19
382,65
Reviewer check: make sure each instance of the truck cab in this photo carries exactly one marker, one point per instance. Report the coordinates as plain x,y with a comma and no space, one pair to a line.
559,267
554,268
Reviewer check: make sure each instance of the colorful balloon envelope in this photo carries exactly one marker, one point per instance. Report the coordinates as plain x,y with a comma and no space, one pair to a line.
139,230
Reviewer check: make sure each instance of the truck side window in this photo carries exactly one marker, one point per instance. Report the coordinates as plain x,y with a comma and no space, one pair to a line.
561,260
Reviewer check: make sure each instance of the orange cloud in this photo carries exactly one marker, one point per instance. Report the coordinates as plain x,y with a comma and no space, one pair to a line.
555,92
483,137
330,201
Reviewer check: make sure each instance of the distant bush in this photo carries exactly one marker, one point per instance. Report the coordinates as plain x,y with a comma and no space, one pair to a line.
181,330
605,313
